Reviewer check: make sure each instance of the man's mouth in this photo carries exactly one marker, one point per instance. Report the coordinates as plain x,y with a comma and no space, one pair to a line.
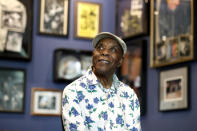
104,61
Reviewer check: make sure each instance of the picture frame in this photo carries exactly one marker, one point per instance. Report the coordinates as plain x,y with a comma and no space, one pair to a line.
12,90
173,90
131,18
88,19
172,27
133,70
70,64
54,17
16,22
46,102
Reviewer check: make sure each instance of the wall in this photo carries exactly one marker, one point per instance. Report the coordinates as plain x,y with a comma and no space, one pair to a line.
39,74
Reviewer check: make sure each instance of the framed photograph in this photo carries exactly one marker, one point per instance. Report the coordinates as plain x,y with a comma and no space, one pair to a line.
172,26
131,18
173,89
12,90
88,20
46,102
16,22
133,70
54,17
70,64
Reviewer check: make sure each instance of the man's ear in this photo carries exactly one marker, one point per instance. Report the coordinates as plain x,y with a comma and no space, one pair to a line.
120,62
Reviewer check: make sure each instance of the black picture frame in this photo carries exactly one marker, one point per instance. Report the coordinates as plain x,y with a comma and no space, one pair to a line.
132,18
70,64
133,70
16,32
12,89
54,17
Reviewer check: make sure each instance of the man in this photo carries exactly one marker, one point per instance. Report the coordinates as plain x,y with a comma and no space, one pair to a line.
98,101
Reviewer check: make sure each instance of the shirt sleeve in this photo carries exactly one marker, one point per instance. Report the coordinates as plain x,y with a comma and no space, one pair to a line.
71,112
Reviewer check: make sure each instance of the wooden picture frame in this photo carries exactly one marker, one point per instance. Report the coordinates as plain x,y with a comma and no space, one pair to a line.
12,90
16,22
88,21
46,102
54,17
131,18
70,64
133,70
172,26
173,94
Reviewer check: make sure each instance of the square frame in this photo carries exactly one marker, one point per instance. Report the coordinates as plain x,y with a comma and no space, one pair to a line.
131,18
70,64
88,19
16,31
12,90
54,22
172,28
46,102
173,89
133,70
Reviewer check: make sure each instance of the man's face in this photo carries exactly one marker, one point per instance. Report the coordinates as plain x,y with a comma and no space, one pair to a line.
107,56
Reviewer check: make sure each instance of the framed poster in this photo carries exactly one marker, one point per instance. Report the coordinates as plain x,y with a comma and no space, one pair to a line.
70,64
173,89
131,18
133,70
171,32
46,102
16,20
88,20
54,17
12,90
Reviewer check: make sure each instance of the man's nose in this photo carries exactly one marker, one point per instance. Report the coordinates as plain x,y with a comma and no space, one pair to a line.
105,51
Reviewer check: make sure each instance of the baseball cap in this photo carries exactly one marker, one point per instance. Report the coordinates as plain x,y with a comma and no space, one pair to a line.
103,35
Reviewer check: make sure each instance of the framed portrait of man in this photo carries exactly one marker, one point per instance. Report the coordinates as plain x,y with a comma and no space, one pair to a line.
171,32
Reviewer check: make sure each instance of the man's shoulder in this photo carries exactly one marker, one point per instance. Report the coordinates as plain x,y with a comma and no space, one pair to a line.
77,82
125,88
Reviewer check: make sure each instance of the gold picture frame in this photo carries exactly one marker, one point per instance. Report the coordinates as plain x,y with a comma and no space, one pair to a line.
87,19
172,25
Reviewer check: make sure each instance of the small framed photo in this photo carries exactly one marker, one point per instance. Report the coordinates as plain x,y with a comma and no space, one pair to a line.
12,90
54,17
133,70
88,20
70,64
16,22
46,102
173,89
131,18
172,32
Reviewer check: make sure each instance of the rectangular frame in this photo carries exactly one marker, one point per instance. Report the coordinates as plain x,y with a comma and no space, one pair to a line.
54,17
171,32
173,94
88,19
46,102
16,30
133,70
131,18
70,64
12,90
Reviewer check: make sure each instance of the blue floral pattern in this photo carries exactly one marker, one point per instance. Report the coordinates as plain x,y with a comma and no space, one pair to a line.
87,106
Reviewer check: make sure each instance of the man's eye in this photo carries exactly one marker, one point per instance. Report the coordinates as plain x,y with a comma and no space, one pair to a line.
100,48
113,50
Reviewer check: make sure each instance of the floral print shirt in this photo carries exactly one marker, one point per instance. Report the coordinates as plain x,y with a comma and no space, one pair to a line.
88,106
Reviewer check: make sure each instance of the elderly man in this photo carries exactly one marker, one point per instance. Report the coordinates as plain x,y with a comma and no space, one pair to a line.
98,101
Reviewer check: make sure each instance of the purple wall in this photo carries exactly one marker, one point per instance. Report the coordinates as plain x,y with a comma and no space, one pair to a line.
39,74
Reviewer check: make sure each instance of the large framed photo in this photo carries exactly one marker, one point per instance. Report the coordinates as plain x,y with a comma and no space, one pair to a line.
131,18
70,64
12,90
172,25
173,89
46,102
133,70
54,17
88,20
16,29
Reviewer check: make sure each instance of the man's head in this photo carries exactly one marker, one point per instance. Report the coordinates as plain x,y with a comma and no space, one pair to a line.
108,53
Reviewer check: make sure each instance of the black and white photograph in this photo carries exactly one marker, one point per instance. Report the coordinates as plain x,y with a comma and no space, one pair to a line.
86,62
12,90
14,41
